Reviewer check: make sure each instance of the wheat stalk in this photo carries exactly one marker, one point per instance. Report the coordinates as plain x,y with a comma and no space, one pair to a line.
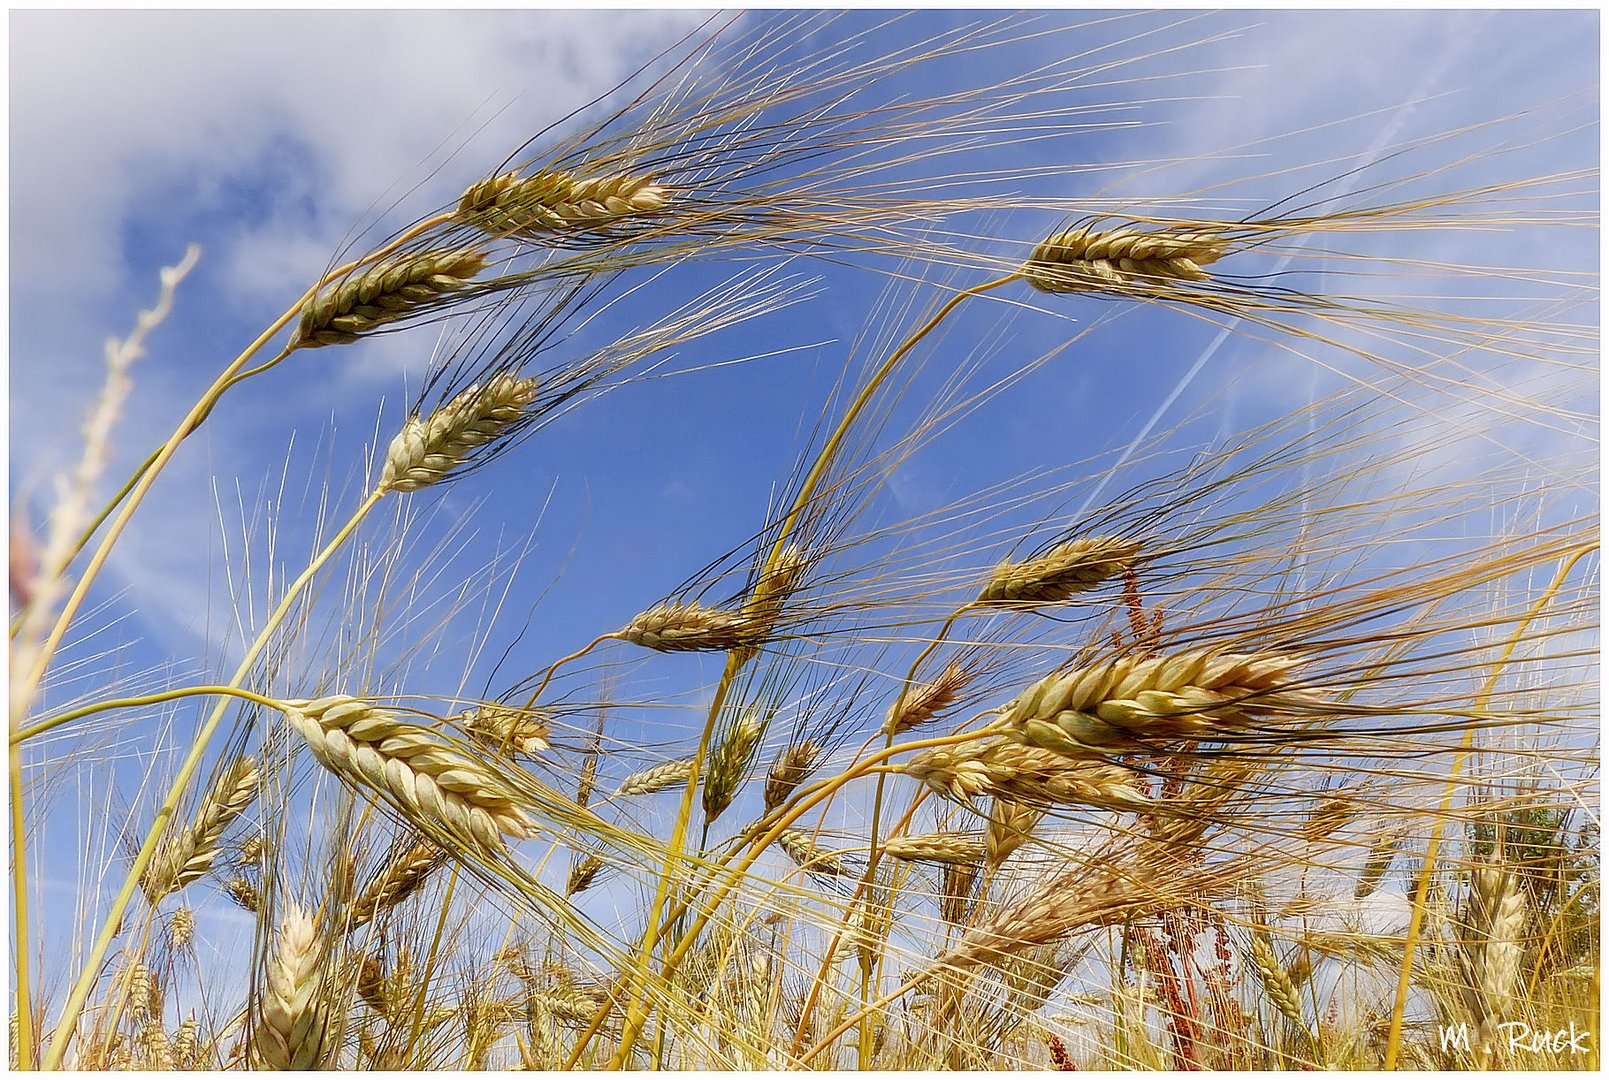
383,293
552,201
1187,695
433,782
188,856
291,1011
1124,262
1062,572
428,450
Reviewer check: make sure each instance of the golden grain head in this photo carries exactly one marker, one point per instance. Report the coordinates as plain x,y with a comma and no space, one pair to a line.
791,767
436,785
1028,774
677,627
928,701
429,450
657,778
554,202
1069,568
1130,701
502,729
1124,261
383,293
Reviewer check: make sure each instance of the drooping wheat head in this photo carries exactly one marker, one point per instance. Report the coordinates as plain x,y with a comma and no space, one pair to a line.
436,785
188,855
383,293
429,450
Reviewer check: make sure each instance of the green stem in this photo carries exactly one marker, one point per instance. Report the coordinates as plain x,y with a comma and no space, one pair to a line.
86,980
135,702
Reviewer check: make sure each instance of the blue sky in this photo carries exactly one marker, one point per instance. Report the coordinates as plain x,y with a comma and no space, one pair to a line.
267,137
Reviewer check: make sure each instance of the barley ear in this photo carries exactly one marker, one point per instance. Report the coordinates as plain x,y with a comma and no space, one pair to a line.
435,784
791,767
429,450
1061,573
1123,262
292,1018
188,855
679,627
656,778
383,293
729,763
554,202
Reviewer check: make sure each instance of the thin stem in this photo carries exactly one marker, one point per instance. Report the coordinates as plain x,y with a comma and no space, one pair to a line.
874,852
1427,868
135,702
578,654
86,979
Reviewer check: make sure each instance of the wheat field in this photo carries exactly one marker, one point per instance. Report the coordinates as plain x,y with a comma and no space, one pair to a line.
897,541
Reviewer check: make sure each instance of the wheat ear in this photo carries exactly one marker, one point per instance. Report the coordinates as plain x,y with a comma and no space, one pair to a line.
191,853
798,847
729,763
292,1018
789,769
401,876
679,627
244,894
966,848
428,450
1061,573
187,1045
1122,261
1277,983
503,729
433,782
1010,825
383,293
1089,896
927,701
582,875
553,201
657,777
1187,695
764,606
1028,774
